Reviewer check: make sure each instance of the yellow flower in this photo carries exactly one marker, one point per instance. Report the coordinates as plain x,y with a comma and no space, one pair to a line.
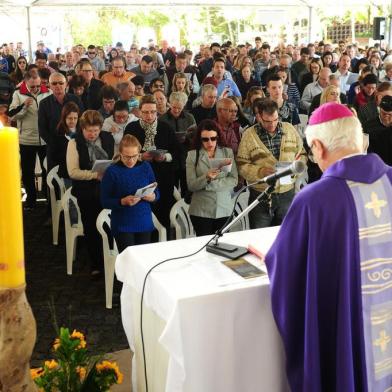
51,364
107,365
78,335
82,372
56,344
35,373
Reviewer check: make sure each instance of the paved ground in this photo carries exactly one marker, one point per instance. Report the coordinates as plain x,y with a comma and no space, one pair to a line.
72,301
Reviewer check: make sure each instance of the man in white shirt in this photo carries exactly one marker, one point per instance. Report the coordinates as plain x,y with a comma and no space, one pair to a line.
315,88
346,78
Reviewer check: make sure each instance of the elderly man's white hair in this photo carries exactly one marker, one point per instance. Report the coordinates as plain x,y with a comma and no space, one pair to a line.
178,96
337,134
57,75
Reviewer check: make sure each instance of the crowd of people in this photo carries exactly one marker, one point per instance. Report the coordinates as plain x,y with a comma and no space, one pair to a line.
206,123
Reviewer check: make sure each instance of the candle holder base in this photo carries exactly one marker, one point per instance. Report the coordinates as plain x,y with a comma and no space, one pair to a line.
17,339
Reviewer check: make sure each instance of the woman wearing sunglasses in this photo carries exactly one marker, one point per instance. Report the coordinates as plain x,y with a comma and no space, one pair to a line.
211,176
131,218
20,71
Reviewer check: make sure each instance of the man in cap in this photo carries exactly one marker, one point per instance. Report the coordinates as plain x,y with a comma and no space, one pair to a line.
329,267
380,131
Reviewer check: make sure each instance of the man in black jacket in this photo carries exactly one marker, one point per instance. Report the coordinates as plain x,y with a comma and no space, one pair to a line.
49,112
380,131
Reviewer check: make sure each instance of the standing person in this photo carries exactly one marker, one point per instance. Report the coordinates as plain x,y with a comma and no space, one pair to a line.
118,73
329,280
91,97
262,147
211,202
89,145
20,71
154,134
131,218
182,122
116,123
287,111
49,112
66,130
24,109
97,62
224,85
206,109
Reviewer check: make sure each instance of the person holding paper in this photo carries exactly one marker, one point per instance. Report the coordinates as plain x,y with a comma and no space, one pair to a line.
160,147
131,218
210,181
89,145
262,148
117,122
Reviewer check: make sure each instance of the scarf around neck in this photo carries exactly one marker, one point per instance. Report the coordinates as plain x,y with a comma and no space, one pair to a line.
95,150
150,130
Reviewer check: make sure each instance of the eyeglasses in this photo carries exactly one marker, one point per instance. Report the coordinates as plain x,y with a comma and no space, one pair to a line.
56,83
22,62
87,70
129,158
270,121
207,139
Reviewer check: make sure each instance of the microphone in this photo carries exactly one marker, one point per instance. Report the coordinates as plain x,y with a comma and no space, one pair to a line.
296,167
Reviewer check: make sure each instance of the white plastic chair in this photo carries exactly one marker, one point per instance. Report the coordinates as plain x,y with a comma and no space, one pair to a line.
110,253
176,194
38,174
242,203
55,203
181,221
72,231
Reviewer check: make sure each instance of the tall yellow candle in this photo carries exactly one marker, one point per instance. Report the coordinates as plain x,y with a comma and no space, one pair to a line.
12,272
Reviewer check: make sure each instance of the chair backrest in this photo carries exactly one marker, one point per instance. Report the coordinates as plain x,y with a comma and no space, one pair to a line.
162,235
181,221
54,181
176,194
103,220
66,200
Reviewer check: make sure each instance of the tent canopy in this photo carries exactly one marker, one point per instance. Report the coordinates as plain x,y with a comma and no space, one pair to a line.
152,3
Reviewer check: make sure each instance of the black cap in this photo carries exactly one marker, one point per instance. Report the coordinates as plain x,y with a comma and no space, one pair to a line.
386,103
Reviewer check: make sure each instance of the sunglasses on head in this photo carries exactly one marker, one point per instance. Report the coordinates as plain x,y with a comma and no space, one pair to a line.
207,139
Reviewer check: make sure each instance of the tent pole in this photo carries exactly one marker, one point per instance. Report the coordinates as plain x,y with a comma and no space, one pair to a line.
390,28
310,25
29,34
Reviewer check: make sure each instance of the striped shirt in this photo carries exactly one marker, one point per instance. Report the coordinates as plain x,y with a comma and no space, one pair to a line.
272,142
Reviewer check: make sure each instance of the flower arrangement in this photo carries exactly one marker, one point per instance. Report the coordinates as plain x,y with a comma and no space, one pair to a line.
73,370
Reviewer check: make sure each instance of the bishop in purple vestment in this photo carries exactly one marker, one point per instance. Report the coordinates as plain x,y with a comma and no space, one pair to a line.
330,266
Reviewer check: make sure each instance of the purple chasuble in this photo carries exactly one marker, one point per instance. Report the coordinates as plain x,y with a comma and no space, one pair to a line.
316,288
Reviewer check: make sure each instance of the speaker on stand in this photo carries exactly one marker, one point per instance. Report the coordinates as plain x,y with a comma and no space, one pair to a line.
379,28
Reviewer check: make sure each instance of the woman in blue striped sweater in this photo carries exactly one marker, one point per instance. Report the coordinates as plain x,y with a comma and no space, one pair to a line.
131,218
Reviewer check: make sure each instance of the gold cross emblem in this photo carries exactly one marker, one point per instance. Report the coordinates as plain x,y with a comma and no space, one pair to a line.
375,204
382,341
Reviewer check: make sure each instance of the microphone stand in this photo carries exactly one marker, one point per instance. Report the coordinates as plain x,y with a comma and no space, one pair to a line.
233,251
